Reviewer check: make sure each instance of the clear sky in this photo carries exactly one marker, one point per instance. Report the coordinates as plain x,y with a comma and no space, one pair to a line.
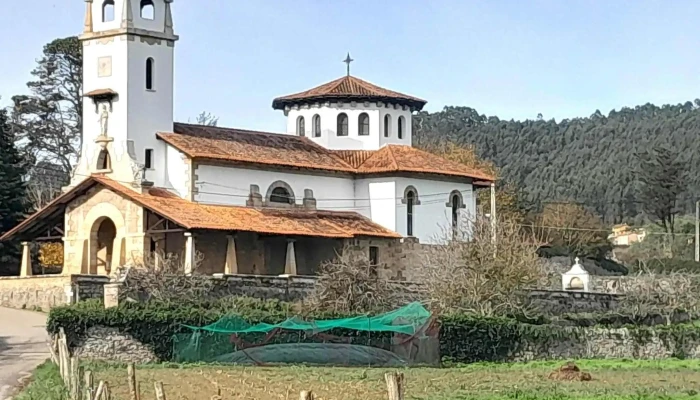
513,59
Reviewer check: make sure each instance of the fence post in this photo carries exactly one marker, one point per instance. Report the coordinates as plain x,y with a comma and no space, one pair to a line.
160,392
394,385
306,395
89,385
131,372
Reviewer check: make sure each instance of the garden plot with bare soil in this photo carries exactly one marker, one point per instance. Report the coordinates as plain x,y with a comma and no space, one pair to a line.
670,379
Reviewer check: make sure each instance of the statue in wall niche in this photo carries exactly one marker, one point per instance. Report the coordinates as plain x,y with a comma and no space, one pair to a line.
104,121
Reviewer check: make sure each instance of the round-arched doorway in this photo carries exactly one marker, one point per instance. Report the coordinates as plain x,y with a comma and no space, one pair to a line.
103,234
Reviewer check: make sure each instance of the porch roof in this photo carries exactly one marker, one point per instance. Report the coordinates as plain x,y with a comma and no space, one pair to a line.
191,215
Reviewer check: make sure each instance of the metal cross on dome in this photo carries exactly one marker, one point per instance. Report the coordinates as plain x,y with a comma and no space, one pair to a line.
347,61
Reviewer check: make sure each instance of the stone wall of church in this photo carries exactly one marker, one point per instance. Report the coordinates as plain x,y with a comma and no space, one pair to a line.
83,217
399,259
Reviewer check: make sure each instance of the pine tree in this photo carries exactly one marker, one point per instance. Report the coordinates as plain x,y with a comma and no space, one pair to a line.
13,200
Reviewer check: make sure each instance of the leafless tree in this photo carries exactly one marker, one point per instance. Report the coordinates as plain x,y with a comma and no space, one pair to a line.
162,277
348,284
480,275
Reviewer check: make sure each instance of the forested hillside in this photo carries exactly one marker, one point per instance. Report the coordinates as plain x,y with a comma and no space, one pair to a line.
588,160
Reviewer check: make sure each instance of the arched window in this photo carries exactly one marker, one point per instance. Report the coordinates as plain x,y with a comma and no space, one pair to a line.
148,9
410,202
104,162
317,125
280,193
342,125
456,204
301,126
363,124
108,11
400,125
150,65
387,125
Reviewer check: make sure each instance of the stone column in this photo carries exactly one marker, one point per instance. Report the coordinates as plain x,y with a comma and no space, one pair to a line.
26,268
115,262
189,253
290,266
111,297
231,267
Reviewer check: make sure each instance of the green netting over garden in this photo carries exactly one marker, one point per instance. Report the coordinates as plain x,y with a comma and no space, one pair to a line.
399,337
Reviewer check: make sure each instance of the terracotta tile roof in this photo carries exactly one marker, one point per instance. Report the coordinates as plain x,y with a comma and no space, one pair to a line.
190,215
398,158
355,157
348,88
251,147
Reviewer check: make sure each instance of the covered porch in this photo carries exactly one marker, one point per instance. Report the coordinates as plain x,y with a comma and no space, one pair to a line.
105,225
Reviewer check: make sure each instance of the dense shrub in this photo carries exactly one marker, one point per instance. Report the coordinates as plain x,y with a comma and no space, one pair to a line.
466,338
463,338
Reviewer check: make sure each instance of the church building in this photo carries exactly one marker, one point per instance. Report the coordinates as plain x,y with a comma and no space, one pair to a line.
235,201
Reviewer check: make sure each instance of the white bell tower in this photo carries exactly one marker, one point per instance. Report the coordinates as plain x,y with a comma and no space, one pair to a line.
128,68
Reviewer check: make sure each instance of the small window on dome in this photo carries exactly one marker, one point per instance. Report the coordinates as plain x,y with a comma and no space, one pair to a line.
387,125
148,9
363,124
317,125
342,125
401,123
301,126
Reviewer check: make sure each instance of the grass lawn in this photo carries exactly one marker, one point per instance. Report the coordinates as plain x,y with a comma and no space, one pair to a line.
669,379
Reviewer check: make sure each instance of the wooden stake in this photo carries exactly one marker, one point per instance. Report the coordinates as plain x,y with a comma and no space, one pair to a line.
89,385
394,385
74,378
100,391
138,390
131,372
54,355
106,395
306,395
160,392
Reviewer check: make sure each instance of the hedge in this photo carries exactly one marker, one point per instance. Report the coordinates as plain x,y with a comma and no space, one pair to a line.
463,338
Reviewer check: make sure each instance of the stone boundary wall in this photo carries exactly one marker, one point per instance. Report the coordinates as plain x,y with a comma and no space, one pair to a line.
283,288
111,344
558,302
44,292
607,343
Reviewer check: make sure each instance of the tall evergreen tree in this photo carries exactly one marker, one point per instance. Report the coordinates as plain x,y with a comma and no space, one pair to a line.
591,160
13,199
49,121
662,178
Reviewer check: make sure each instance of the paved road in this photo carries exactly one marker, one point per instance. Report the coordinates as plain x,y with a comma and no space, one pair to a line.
23,341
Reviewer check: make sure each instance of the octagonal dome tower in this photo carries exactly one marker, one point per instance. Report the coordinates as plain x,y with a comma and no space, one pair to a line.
350,114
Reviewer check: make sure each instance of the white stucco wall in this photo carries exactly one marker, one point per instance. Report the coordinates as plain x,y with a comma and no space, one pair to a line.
137,113
178,171
150,111
225,185
329,119
431,218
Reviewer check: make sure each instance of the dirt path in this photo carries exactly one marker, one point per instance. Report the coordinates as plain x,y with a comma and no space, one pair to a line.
23,341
